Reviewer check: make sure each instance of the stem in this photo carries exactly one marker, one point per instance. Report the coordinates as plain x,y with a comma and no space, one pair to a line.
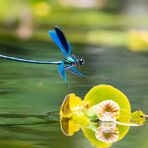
127,124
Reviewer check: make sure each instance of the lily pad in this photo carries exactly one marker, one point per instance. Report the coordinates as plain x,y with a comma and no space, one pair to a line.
90,135
106,92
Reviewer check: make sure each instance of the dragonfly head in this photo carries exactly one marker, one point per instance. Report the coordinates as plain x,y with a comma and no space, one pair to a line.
78,61
81,61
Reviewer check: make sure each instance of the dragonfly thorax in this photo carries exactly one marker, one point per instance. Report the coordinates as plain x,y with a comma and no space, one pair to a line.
70,60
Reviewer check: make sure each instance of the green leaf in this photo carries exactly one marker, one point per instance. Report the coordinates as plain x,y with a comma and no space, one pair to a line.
106,92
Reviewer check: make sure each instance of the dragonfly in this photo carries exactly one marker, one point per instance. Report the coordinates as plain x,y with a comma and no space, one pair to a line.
69,62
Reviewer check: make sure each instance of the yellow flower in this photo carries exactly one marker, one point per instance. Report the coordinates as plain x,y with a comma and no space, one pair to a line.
72,116
104,115
108,110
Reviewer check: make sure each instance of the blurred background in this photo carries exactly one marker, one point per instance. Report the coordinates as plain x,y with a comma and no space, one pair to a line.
112,37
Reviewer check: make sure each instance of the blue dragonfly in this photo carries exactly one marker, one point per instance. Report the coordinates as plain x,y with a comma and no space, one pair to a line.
69,61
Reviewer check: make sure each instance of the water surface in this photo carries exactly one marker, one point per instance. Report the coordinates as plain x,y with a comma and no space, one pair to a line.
28,92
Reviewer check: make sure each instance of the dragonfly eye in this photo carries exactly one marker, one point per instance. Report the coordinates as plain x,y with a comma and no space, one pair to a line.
81,61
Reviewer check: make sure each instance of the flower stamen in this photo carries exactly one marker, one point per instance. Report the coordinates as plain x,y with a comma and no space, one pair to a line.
108,110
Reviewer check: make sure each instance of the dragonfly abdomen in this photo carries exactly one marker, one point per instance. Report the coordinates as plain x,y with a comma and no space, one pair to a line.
30,61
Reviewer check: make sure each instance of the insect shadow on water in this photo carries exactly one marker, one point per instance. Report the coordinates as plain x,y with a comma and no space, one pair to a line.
49,118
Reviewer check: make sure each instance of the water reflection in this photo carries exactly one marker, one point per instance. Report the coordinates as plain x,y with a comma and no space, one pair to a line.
107,133
24,130
102,121
100,134
33,91
26,119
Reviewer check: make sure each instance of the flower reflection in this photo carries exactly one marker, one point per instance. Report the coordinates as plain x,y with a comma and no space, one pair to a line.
104,115
69,127
72,116
107,134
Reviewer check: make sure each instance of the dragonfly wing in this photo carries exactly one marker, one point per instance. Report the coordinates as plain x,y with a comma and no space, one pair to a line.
75,71
62,72
55,38
60,40
63,40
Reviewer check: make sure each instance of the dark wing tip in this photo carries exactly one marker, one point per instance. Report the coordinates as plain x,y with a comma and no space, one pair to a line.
62,39
57,28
